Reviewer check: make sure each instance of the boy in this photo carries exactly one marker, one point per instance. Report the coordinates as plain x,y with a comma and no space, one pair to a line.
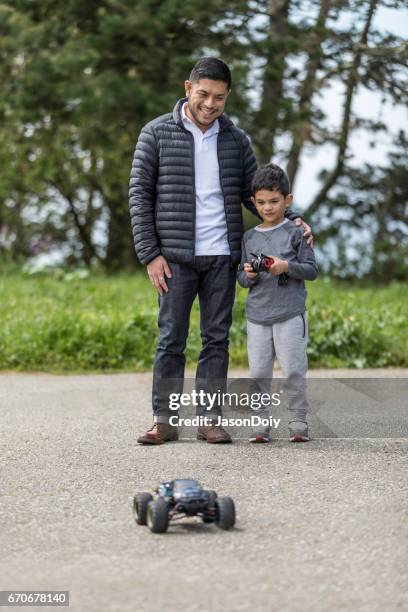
276,301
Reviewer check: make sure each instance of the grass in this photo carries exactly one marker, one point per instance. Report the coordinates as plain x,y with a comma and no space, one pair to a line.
70,322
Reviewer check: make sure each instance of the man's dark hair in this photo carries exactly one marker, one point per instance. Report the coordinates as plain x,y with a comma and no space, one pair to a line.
272,178
211,68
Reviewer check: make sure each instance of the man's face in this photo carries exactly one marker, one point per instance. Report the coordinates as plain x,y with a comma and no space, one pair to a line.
206,100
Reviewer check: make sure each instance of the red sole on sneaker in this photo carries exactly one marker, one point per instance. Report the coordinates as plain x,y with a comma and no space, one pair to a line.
299,438
259,440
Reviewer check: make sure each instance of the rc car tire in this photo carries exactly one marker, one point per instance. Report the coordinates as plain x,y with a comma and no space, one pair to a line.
211,504
225,512
158,516
212,499
140,503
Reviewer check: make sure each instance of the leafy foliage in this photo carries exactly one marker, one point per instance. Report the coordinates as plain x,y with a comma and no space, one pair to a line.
71,322
79,80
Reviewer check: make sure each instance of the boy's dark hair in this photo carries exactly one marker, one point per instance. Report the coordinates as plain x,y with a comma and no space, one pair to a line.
271,177
211,68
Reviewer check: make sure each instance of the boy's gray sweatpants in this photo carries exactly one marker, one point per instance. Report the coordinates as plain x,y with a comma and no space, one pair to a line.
286,341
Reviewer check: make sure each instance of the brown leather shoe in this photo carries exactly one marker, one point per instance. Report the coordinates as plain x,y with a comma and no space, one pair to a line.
159,433
214,434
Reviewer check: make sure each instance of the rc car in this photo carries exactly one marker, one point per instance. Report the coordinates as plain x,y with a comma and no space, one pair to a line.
262,263
180,498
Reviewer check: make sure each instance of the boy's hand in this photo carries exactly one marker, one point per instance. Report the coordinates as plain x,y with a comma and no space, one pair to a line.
249,271
307,230
279,266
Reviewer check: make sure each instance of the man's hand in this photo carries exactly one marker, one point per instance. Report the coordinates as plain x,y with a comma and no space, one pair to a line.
157,269
307,228
249,271
279,266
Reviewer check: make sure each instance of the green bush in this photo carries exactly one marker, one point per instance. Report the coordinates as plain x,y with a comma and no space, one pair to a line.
357,327
77,322
348,327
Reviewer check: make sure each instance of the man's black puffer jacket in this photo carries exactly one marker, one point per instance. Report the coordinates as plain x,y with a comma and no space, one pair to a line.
162,192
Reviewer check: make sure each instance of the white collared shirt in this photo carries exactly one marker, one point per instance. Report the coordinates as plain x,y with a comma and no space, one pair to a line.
211,236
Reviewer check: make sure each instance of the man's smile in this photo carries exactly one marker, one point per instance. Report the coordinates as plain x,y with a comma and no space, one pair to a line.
206,113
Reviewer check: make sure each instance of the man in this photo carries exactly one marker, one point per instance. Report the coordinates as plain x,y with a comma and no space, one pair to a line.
191,171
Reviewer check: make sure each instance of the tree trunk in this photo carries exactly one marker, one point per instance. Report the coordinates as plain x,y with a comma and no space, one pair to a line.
302,128
120,253
266,120
351,85
20,248
88,251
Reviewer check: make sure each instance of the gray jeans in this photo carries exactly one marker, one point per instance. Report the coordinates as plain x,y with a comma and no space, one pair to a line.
286,341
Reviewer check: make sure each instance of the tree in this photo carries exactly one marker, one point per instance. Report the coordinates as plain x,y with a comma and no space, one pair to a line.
351,85
79,80
302,123
78,83
273,50
369,211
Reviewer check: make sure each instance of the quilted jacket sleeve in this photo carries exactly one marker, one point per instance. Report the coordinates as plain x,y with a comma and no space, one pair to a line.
142,196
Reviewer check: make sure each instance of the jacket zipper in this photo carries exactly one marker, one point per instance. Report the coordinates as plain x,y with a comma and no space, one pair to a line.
194,189
223,194
194,196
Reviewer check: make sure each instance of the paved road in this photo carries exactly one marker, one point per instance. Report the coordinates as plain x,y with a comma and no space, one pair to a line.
321,526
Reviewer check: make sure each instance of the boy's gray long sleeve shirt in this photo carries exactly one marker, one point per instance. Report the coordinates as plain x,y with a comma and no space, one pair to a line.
267,302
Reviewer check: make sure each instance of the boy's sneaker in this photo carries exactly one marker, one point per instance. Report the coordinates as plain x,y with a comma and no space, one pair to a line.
298,431
260,437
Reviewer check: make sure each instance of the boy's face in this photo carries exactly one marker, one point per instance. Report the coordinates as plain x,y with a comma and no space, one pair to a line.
271,205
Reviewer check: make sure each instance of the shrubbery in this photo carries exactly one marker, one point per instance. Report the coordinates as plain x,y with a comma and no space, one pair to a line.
75,322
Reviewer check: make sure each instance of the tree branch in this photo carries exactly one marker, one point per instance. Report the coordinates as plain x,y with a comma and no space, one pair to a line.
352,82
89,249
301,130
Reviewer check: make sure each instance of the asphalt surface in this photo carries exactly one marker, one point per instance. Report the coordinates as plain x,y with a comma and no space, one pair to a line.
320,526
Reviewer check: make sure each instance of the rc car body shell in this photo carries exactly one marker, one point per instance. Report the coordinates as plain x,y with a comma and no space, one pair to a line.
182,497
186,495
